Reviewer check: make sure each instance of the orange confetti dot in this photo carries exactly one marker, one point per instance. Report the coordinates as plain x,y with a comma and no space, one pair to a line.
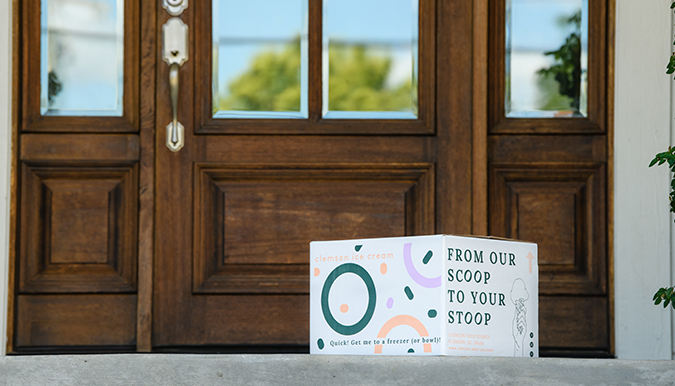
344,308
316,272
383,268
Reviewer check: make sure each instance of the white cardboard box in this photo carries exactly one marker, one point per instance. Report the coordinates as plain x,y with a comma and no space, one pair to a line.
424,295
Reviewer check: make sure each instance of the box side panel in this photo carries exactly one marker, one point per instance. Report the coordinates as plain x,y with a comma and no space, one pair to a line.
491,302
377,296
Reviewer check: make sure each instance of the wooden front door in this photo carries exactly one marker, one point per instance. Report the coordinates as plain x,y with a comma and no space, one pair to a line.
121,244
237,206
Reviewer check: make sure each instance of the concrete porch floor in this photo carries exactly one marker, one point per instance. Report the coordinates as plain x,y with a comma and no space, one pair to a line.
179,369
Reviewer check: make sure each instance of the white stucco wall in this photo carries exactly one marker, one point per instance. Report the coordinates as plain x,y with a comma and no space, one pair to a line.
642,236
5,140
643,127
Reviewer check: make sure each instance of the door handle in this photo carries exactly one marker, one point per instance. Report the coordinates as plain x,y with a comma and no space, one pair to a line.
175,54
175,132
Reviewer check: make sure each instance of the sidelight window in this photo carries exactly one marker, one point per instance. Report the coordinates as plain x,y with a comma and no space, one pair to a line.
546,58
82,57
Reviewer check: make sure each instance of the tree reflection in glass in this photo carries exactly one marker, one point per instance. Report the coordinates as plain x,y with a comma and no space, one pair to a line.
370,59
546,58
260,64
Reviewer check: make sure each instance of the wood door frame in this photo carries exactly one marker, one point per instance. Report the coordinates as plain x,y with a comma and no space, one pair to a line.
150,41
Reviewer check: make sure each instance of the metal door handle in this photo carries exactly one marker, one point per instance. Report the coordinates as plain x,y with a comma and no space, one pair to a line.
175,132
175,54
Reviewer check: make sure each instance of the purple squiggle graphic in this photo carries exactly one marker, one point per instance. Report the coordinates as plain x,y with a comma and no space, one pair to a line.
416,276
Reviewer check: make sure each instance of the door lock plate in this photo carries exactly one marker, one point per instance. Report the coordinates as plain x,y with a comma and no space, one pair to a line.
174,7
175,41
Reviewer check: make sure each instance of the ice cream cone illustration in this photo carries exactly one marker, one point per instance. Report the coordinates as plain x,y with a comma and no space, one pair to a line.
519,296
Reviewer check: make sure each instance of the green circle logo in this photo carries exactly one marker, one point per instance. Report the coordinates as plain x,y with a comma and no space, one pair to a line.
361,324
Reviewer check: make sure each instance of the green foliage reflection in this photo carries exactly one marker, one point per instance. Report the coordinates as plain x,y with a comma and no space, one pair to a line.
566,71
271,83
358,80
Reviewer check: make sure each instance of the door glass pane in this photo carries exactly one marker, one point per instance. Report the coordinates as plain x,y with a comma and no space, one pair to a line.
260,59
370,59
82,57
546,58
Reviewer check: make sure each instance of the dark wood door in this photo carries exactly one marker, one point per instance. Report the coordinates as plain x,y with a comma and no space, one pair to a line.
120,244
237,207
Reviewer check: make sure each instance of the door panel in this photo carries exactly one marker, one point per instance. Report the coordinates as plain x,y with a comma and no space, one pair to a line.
75,323
83,230
561,208
76,190
245,243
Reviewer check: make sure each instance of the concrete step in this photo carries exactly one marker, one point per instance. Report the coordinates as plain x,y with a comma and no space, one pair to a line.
206,370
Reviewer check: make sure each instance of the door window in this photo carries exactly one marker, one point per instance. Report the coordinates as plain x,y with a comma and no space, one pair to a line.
370,59
260,59
82,57
546,58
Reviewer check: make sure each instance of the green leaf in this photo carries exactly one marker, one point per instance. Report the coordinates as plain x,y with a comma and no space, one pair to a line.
658,294
657,301
666,303
654,161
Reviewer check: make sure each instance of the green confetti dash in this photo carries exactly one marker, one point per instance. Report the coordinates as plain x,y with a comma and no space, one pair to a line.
358,247
410,350
409,293
427,257
432,313
320,344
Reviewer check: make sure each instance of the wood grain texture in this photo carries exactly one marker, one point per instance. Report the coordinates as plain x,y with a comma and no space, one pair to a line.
254,225
547,148
76,320
556,241
14,198
79,147
453,144
479,116
569,323
78,229
146,175
562,207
